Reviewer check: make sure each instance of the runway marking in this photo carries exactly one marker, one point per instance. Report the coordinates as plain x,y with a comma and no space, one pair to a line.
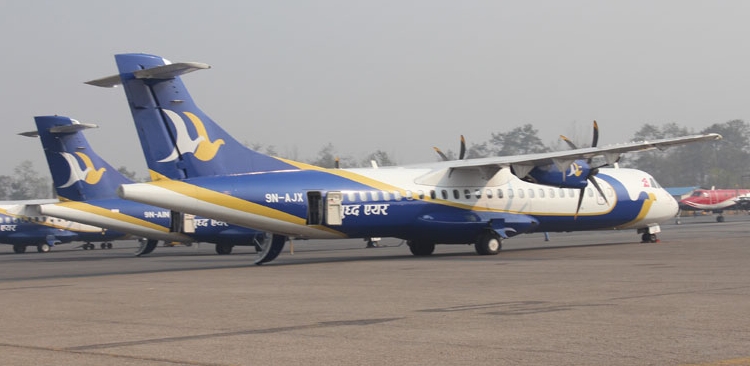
330,324
129,357
514,307
732,362
32,287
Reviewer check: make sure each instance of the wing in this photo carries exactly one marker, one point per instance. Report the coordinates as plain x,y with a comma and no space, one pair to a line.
523,164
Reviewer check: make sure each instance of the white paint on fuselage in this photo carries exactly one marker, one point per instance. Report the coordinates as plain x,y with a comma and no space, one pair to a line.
405,181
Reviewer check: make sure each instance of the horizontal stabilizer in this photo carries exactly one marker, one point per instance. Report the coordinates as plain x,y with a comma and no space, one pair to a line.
72,128
158,73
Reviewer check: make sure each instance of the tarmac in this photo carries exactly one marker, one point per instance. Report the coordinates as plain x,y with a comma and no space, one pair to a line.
584,298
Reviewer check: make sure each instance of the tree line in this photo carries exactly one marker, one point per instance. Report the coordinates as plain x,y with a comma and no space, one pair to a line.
724,163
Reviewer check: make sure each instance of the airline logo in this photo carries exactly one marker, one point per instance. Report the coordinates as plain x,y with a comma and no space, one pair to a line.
89,174
201,147
575,169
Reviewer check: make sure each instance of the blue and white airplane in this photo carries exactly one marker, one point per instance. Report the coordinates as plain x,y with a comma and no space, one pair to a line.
86,186
22,226
474,201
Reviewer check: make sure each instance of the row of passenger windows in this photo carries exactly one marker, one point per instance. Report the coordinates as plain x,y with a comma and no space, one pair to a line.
456,193
15,220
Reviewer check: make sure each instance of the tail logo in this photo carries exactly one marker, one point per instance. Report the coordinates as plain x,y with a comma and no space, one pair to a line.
89,175
201,147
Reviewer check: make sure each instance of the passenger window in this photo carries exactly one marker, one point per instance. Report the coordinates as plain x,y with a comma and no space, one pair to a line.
552,193
590,192
531,193
478,193
420,194
433,195
488,193
510,193
456,195
541,192
351,196
562,193
520,193
499,193
467,193
374,195
444,193
363,196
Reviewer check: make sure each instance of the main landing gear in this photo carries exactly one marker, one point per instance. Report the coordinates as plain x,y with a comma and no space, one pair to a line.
421,248
224,248
89,246
489,243
19,248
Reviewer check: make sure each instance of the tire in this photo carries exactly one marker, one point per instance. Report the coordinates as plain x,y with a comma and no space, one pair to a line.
420,248
720,219
488,244
224,249
42,248
19,249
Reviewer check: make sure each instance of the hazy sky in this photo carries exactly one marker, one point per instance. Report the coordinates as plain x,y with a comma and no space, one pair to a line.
400,76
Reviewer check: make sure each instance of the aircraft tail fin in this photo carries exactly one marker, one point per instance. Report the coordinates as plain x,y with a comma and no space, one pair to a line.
178,139
78,173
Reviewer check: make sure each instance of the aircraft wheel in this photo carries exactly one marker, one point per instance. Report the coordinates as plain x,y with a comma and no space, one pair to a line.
147,246
648,238
719,218
421,248
19,249
224,248
103,245
109,245
488,244
42,248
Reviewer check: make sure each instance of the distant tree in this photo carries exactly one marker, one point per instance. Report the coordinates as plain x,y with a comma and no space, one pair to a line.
520,140
5,187
128,173
380,157
718,163
27,184
326,157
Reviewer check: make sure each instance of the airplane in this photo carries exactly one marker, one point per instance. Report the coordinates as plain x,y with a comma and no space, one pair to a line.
86,186
715,200
473,201
21,226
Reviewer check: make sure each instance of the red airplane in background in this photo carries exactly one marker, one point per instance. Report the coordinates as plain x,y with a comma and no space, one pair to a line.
716,201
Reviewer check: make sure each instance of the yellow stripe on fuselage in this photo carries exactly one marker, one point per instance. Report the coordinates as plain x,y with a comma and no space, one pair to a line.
644,210
234,203
96,210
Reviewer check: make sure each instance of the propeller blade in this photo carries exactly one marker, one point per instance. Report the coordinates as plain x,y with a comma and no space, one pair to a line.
442,156
570,143
596,135
463,148
598,188
580,200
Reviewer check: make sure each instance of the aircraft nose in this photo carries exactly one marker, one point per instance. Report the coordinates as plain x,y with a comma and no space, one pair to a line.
665,207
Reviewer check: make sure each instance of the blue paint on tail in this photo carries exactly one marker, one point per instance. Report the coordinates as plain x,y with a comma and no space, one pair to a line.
179,140
78,173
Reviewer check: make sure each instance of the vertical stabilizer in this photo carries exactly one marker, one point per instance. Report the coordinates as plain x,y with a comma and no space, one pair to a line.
178,139
78,173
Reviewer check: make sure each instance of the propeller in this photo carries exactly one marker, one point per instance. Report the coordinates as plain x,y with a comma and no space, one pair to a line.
592,171
461,154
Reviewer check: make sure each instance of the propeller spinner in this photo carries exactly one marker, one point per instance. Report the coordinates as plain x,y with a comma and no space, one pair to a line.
592,172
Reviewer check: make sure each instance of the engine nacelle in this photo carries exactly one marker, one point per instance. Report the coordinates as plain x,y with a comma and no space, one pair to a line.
576,176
